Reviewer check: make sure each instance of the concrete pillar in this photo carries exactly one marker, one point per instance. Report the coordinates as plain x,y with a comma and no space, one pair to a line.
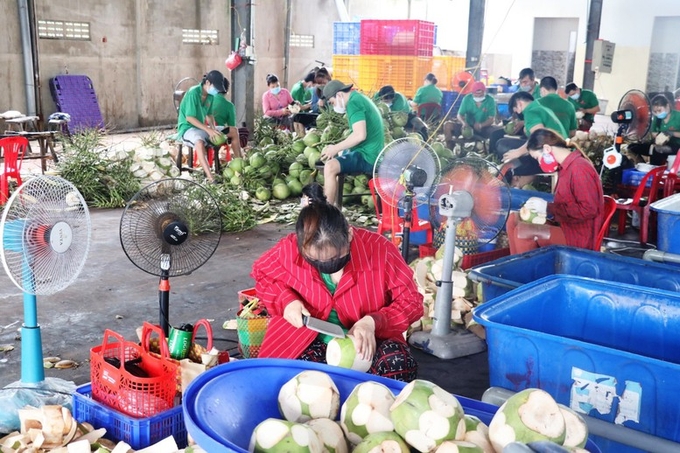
592,33
242,78
475,36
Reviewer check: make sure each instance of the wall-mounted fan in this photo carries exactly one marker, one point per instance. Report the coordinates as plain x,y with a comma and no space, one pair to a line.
170,228
471,191
180,89
45,231
405,175
634,117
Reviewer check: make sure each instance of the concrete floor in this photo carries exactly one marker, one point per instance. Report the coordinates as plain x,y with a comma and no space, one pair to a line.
112,293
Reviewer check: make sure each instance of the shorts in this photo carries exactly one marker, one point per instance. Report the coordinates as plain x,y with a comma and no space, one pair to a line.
306,119
195,135
352,162
223,129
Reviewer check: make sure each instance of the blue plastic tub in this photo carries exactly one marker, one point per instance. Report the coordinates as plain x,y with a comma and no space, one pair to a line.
223,405
502,275
668,223
610,350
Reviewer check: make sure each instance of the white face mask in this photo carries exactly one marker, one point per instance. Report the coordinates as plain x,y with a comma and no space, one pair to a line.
339,105
478,99
575,96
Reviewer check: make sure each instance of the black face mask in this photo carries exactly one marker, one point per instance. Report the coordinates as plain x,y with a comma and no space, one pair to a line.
329,266
520,116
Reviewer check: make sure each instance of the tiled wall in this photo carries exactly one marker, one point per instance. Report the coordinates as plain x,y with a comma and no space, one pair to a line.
662,72
552,63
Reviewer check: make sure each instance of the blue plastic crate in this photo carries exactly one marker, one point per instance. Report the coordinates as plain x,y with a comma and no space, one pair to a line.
633,177
502,275
346,38
609,350
668,223
451,101
222,407
137,432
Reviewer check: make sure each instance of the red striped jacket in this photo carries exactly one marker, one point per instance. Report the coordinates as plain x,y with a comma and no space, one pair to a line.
375,282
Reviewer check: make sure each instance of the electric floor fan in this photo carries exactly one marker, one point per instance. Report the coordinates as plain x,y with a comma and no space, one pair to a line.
45,231
404,176
170,228
634,119
469,190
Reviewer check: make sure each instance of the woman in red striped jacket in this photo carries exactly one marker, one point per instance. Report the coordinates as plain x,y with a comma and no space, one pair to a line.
345,275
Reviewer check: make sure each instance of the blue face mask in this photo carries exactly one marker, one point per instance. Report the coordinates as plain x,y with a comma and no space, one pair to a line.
212,90
662,115
276,90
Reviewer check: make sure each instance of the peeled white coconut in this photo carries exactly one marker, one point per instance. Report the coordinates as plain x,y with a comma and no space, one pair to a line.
577,429
477,432
366,411
426,415
458,446
330,434
527,416
387,442
310,394
342,352
282,436
531,216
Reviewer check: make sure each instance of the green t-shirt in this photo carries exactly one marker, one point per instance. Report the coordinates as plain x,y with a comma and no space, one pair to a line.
224,111
333,316
300,93
535,114
537,91
474,114
399,103
672,125
192,105
587,100
427,94
361,108
563,110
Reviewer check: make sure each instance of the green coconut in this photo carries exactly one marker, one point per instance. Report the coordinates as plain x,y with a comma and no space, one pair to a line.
577,428
399,118
218,140
342,352
386,442
366,411
295,169
299,146
311,138
528,416
510,127
426,415
310,394
477,432
282,436
330,434
468,132
458,446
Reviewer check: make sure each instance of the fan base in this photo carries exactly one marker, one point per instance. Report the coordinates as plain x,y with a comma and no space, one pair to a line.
459,342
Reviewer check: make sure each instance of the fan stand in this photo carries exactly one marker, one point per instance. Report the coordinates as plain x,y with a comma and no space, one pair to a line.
443,341
164,294
408,218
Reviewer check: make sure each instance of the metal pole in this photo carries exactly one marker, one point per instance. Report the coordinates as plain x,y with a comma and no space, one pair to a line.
286,42
27,51
242,78
35,54
592,33
473,53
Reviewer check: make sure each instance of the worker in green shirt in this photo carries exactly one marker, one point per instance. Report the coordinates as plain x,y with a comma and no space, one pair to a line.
302,95
428,93
586,105
397,102
364,142
301,91
528,83
224,113
563,109
535,117
477,111
665,133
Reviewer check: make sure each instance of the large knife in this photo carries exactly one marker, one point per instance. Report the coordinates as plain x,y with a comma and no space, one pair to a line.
324,327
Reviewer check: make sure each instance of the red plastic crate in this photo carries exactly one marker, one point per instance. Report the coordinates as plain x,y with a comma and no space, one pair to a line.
397,37
480,258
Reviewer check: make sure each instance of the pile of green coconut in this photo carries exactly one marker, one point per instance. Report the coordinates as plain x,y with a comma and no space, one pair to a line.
422,417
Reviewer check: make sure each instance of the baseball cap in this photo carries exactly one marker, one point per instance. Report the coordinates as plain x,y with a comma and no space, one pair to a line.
332,88
217,79
478,86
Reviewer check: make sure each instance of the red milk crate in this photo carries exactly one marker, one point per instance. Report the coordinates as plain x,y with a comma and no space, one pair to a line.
397,37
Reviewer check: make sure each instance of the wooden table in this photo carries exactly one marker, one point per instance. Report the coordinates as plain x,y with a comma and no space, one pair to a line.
45,141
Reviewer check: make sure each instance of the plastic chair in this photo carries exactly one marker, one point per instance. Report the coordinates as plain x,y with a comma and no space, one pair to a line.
639,204
429,111
609,210
390,222
12,149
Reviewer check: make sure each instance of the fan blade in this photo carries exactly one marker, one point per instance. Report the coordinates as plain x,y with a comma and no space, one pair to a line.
637,102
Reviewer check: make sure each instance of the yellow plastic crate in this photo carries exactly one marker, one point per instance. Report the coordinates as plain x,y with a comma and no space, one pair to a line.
445,68
346,68
405,74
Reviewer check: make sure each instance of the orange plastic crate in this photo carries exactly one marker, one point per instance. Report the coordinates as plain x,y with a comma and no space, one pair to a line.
445,67
405,74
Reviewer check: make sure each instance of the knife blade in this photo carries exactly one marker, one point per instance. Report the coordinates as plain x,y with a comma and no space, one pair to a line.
324,327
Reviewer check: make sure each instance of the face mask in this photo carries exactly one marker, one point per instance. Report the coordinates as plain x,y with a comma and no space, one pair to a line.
337,107
389,104
276,90
661,115
329,266
520,116
575,96
478,99
212,90
525,87
547,162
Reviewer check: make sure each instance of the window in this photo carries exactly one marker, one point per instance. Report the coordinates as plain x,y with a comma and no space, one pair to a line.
301,40
57,29
194,36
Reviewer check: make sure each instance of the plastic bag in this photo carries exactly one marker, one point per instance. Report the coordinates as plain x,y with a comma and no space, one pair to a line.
18,395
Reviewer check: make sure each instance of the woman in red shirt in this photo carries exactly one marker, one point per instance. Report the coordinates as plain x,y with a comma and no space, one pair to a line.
345,275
